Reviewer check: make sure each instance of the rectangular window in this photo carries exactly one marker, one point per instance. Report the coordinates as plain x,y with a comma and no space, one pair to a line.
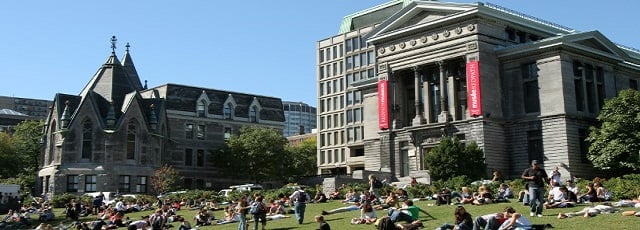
363,59
633,84
201,132
340,50
356,61
357,115
600,86
327,54
322,140
590,88
141,187
349,116
321,72
349,62
530,88
371,73
321,89
341,67
348,45
90,183
371,58
329,121
72,183
125,184
200,158
321,55
188,131
335,69
334,52
363,42
356,43
188,157
357,97
329,138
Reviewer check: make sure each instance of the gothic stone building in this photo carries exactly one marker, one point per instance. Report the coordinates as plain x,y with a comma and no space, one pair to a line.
522,88
116,133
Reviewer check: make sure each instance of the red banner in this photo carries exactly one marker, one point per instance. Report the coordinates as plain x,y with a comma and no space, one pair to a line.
383,104
474,96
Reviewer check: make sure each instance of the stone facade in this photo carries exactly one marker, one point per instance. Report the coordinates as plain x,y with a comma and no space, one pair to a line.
116,132
542,85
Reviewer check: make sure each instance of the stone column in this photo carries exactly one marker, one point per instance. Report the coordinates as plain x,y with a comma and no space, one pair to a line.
444,114
417,120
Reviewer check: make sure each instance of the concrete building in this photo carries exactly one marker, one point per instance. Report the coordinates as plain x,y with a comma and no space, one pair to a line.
36,108
521,87
299,118
9,119
117,132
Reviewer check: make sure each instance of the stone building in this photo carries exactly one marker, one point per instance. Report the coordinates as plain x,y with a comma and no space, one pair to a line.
117,132
522,88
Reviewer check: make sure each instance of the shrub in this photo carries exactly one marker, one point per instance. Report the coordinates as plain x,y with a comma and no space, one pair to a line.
59,201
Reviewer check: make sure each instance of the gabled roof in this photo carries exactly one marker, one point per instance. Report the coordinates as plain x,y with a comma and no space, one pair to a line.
112,81
591,42
422,15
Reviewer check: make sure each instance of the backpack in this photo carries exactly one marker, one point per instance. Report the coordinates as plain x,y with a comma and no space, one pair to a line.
377,183
302,197
256,208
386,224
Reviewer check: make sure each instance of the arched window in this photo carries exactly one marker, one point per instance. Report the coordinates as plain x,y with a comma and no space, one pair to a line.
228,111
253,114
132,140
87,137
202,108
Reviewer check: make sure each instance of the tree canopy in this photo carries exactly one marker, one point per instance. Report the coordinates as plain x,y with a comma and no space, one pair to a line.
453,158
615,143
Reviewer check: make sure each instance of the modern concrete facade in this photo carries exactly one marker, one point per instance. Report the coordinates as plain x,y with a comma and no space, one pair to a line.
299,118
117,132
539,87
36,108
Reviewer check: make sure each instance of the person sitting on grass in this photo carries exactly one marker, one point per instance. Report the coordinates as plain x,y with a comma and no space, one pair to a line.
464,196
335,195
483,196
463,220
559,198
495,220
323,224
320,198
367,215
504,193
351,196
390,202
407,213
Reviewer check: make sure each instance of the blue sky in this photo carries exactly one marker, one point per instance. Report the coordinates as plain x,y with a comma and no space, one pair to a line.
264,47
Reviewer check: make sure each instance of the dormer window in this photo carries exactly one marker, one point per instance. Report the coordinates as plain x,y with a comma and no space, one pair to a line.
228,110
202,108
253,114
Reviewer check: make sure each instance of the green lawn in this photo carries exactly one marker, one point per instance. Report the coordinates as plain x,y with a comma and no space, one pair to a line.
444,214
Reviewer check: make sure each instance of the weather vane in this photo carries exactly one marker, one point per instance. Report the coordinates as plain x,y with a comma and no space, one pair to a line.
113,43
127,45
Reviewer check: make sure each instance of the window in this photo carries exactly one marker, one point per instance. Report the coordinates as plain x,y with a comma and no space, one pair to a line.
355,43
72,183
633,84
335,68
201,132
141,187
87,134
340,50
356,61
578,82
349,62
200,158
530,88
321,72
534,145
228,111
188,157
125,184
90,183
357,97
600,87
363,59
510,34
321,55
132,140
348,46
227,133
357,115
334,52
188,131
590,85
202,108
253,114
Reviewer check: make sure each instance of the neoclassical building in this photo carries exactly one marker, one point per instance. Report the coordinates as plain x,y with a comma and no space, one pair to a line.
117,132
400,76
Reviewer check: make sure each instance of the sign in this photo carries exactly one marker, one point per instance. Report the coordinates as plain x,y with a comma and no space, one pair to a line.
383,104
474,96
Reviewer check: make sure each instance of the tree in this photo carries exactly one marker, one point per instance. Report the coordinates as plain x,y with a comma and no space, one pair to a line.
453,158
165,179
8,153
28,138
303,159
615,143
259,152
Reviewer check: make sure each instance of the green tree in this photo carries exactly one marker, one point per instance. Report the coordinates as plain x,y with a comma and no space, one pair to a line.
303,159
255,153
8,153
453,158
28,136
615,144
165,179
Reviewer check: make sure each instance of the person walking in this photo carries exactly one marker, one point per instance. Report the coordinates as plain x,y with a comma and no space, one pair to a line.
536,179
300,199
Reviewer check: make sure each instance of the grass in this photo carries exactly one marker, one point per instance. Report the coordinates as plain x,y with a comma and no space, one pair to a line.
443,214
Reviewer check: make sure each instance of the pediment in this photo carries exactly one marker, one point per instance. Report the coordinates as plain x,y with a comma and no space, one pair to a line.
595,42
418,14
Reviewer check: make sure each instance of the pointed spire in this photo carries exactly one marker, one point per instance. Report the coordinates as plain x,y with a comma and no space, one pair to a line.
153,118
113,43
111,117
66,115
130,68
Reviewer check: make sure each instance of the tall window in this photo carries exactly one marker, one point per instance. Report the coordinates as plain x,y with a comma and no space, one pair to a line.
530,88
125,183
600,86
200,158
534,145
202,108
590,84
132,140
228,110
200,132
578,81
188,131
253,114
141,187
87,134
72,183
188,157
90,183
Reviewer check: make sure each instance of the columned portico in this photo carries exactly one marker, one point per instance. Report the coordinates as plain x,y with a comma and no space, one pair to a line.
418,119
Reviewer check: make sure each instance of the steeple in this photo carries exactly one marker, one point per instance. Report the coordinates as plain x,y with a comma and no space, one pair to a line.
66,115
127,62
